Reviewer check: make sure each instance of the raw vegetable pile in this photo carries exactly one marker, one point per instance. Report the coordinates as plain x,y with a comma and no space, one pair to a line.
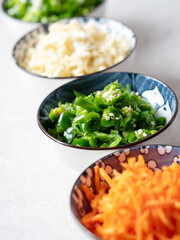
136,204
45,11
108,118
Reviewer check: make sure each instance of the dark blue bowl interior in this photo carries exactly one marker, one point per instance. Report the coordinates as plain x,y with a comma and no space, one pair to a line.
159,95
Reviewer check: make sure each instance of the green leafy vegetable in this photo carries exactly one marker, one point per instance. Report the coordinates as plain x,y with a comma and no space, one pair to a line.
112,117
45,11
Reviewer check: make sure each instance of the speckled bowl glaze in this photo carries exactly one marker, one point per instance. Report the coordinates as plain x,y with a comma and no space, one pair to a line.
112,26
159,95
24,27
155,156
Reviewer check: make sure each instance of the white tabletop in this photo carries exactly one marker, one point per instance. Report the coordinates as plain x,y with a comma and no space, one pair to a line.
34,185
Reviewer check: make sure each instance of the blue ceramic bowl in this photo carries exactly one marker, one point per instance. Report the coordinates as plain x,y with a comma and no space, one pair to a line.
159,95
112,26
155,156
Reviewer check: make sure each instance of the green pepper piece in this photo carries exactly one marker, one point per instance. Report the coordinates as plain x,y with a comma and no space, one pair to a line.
137,135
109,140
126,123
111,96
86,117
83,142
126,100
144,106
114,85
107,123
142,115
160,121
70,108
117,138
149,120
63,123
89,122
69,134
129,137
142,133
101,102
93,141
110,117
85,103
54,114
78,94
152,132
54,134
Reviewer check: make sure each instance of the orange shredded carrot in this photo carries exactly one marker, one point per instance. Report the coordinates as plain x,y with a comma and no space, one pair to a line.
89,195
96,178
140,204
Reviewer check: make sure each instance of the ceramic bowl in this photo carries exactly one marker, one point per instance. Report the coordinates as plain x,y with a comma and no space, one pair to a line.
47,84
159,95
155,156
24,27
112,26
41,85
13,24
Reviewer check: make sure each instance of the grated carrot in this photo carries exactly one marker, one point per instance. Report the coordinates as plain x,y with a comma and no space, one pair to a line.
96,178
139,204
88,193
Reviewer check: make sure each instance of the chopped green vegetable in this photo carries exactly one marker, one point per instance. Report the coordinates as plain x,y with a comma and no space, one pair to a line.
45,11
112,117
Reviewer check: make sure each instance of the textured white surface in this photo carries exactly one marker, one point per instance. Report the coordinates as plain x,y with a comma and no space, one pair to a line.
34,185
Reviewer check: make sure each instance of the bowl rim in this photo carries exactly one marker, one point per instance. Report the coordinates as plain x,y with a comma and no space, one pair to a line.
91,166
108,148
68,19
39,23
